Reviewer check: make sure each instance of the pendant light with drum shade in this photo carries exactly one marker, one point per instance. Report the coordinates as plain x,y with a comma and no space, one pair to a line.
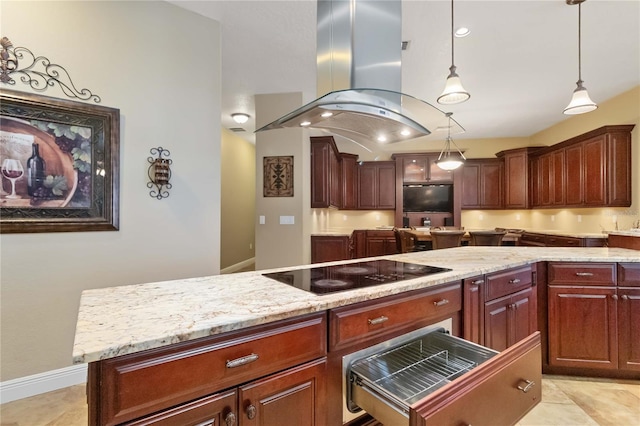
580,101
453,92
446,160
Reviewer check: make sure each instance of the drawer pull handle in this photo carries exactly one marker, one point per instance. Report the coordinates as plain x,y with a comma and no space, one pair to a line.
478,282
528,386
441,302
515,281
584,274
378,320
251,412
242,361
230,419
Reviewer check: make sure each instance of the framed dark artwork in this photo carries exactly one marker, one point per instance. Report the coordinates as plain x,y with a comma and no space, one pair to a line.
278,176
59,164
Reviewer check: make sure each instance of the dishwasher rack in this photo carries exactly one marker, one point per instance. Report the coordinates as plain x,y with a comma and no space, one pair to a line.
408,372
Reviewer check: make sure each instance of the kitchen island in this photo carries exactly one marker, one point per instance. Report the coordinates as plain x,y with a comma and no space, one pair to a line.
120,322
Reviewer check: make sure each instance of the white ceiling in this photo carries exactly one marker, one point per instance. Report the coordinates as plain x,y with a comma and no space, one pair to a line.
520,62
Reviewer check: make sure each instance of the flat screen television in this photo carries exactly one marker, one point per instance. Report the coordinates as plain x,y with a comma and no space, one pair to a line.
427,198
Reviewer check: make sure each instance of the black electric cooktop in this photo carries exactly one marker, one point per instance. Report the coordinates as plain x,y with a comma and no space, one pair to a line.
330,279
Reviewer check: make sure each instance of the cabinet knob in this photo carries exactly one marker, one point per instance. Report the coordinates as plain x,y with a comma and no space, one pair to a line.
378,320
441,302
614,296
624,297
478,282
251,411
527,387
230,419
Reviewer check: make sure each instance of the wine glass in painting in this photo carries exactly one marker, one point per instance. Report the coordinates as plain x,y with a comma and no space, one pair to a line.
12,170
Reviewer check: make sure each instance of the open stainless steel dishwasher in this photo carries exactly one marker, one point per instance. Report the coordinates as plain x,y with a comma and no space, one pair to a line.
440,379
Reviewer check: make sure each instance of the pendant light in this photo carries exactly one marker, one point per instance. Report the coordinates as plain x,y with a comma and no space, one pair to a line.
453,92
580,101
446,160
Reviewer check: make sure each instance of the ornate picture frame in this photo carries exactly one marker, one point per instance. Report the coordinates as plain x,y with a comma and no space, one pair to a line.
67,158
278,176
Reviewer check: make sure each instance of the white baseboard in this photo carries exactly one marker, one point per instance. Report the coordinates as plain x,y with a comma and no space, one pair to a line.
24,387
238,266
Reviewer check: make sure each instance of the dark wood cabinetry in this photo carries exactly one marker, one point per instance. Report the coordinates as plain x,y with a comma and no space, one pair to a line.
422,168
325,173
349,181
510,310
473,312
590,170
593,316
176,381
547,240
482,184
328,248
369,243
377,185
517,178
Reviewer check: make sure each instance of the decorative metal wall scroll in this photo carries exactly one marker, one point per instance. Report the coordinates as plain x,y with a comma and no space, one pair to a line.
278,177
38,72
159,173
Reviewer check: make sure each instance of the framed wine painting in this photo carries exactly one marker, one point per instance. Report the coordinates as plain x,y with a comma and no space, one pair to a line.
58,164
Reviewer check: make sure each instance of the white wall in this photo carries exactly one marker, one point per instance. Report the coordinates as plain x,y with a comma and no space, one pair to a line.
160,65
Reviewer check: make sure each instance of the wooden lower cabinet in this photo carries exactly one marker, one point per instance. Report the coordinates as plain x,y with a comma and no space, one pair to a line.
369,243
329,248
473,309
594,317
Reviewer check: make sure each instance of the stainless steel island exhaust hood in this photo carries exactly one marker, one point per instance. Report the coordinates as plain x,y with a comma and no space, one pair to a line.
359,47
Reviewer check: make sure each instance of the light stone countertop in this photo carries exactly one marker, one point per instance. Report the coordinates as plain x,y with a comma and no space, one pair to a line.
628,233
568,233
126,319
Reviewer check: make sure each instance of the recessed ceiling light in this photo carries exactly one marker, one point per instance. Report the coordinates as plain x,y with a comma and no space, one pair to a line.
240,117
305,123
405,132
326,114
382,138
462,32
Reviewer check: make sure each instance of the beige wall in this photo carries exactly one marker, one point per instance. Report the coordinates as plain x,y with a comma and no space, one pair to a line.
160,65
238,200
282,245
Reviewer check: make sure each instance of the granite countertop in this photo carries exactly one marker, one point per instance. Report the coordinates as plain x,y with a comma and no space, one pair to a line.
568,233
628,233
126,319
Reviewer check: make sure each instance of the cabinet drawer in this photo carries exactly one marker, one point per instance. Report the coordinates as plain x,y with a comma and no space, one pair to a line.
513,377
629,274
139,384
532,239
603,274
555,241
375,319
507,282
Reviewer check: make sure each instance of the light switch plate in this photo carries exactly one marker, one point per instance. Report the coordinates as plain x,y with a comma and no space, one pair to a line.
262,219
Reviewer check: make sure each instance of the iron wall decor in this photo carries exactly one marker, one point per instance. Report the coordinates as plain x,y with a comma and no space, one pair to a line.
60,162
159,173
278,176
38,72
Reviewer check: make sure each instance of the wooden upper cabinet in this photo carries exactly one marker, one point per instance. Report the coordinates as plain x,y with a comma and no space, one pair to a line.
482,184
325,173
377,185
349,168
589,170
573,175
421,168
516,178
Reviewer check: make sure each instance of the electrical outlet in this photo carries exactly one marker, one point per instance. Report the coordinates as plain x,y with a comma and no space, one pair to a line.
517,216
579,218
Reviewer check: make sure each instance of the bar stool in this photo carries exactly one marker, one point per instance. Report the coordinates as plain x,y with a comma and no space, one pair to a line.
446,239
405,241
486,238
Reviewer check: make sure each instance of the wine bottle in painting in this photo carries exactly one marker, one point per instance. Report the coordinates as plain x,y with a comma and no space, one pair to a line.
35,171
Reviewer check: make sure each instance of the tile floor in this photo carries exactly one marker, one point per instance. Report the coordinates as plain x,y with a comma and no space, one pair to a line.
565,401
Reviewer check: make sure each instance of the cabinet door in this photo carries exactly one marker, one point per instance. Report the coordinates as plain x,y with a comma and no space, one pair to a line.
523,315
496,323
329,248
619,169
594,171
415,168
367,186
386,186
436,174
544,171
491,179
470,185
516,181
557,170
583,327
324,173
573,175
534,176
293,397
349,181
629,328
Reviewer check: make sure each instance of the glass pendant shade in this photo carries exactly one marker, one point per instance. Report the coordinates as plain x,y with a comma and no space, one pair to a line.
453,92
450,163
580,102
448,160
